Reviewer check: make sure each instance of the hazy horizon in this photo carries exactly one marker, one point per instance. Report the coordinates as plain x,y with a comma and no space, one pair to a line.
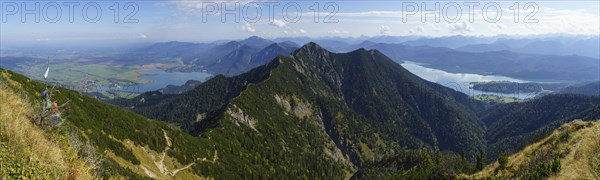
31,22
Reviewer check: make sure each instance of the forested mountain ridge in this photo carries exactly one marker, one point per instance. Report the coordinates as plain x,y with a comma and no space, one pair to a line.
514,125
370,106
586,89
372,109
538,135
244,59
195,104
133,146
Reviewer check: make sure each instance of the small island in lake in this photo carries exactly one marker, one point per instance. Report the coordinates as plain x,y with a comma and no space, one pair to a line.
515,87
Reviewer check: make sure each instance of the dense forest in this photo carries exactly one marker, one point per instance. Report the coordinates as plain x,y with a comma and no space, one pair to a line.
396,100
379,108
512,126
370,107
586,89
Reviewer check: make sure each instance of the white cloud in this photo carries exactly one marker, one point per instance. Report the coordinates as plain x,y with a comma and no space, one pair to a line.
434,27
189,8
417,30
301,31
567,20
577,20
248,28
278,23
384,29
197,4
143,36
496,27
499,26
420,29
372,14
335,31
461,28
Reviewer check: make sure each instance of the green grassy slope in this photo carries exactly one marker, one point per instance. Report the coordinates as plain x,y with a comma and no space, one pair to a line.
107,126
570,152
227,151
29,152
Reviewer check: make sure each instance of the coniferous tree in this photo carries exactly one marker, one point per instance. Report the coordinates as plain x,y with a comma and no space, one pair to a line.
481,159
502,160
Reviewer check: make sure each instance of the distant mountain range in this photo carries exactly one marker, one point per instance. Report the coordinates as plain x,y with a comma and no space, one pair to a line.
506,63
243,59
582,47
541,59
592,89
565,45
231,58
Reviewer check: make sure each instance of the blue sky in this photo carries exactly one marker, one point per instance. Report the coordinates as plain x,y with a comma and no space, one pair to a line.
183,20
